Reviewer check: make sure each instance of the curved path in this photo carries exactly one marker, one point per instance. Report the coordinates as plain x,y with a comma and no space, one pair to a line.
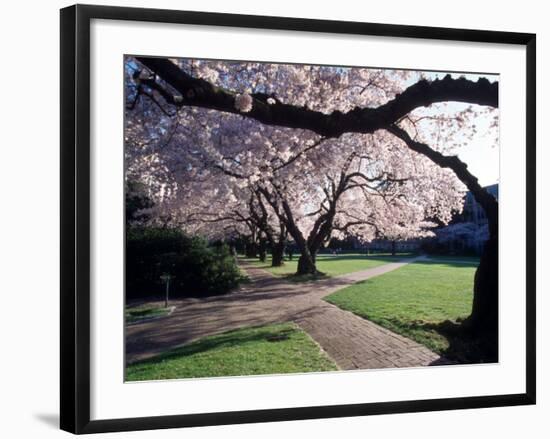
351,341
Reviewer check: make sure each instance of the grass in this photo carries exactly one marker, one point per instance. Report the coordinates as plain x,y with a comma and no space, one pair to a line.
329,265
423,301
144,312
271,349
244,279
452,259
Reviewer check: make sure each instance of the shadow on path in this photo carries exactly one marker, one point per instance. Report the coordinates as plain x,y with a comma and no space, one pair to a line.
352,342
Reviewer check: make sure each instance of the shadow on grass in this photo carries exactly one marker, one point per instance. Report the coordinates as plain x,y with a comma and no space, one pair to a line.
362,257
245,280
336,258
300,278
465,347
145,312
448,263
182,295
326,259
225,340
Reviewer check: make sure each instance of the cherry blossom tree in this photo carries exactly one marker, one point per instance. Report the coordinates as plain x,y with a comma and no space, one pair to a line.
299,114
275,182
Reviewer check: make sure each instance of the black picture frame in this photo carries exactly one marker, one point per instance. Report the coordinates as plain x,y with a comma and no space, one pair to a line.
75,217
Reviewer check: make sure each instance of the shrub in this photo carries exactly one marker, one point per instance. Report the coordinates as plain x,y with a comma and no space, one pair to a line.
137,202
198,269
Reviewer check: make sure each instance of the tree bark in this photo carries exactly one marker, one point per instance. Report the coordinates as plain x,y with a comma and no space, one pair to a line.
262,249
277,254
485,303
198,92
393,248
251,249
483,320
306,263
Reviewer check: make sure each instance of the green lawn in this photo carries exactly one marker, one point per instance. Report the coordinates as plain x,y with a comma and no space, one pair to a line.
458,259
280,348
421,301
144,312
244,276
328,264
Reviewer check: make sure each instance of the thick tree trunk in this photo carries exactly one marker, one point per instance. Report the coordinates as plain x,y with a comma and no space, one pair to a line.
251,250
200,93
483,322
277,254
306,263
263,250
485,304
393,248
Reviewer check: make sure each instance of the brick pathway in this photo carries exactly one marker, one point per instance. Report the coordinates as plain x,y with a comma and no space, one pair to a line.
351,341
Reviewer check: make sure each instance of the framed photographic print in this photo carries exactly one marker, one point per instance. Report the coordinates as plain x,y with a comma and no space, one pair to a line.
268,218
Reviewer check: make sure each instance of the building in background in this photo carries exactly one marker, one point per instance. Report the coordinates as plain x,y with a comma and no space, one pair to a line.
467,232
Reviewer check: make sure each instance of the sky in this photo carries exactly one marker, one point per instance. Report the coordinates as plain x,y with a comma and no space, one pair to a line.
482,160
480,155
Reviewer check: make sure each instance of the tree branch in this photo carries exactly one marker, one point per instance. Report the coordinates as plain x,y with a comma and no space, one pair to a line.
201,93
484,198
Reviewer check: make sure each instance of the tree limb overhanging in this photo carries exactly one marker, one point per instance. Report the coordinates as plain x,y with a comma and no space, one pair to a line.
174,87
201,93
484,198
